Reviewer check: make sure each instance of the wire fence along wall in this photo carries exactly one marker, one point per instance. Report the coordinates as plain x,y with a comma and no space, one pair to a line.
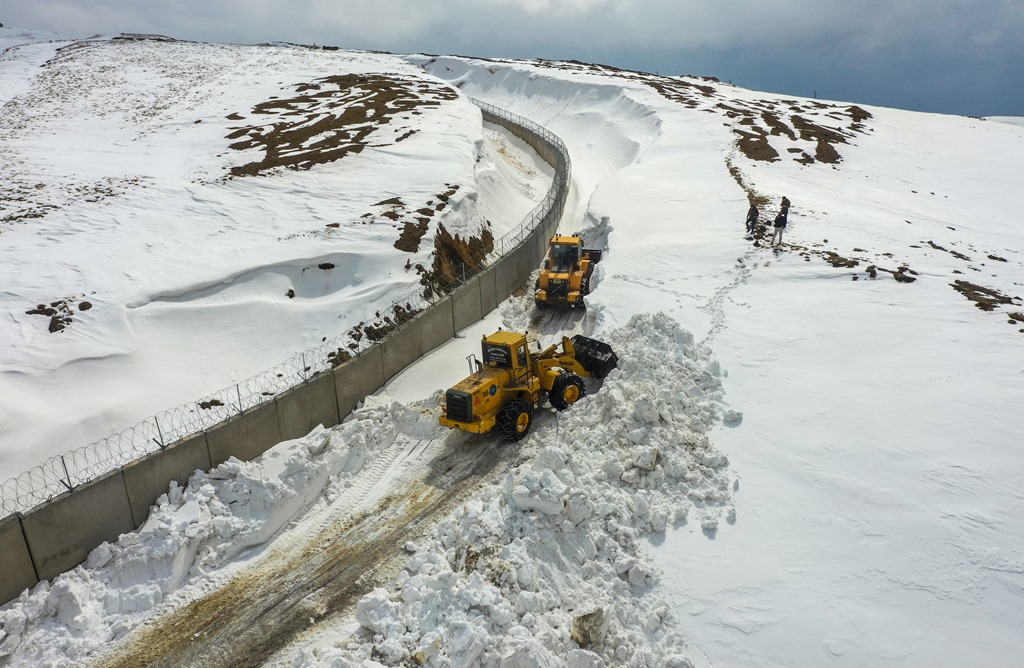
65,472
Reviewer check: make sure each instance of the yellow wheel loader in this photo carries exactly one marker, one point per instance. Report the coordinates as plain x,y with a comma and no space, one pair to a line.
509,382
565,277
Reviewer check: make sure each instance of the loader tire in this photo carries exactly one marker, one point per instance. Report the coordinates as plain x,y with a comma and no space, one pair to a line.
514,419
566,390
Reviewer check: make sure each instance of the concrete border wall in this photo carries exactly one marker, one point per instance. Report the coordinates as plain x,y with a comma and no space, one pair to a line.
359,377
466,307
18,571
60,533
245,436
302,408
57,535
147,478
488,294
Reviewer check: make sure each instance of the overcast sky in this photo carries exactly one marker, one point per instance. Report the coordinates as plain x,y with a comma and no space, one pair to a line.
949,56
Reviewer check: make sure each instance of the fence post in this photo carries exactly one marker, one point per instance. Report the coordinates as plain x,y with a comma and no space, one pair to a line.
66,474
159,434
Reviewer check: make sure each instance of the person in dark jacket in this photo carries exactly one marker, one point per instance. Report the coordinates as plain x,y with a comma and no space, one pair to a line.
752,215
785,203
779,225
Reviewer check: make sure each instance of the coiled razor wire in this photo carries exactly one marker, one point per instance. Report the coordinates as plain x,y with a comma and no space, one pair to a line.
63,473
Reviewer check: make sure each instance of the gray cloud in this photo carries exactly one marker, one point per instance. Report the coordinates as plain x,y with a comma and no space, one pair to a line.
953,56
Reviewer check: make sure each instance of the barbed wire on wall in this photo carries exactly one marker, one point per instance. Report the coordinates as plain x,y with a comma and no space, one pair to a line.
64,473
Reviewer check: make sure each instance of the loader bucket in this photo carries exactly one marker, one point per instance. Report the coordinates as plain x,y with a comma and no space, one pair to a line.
595,356
595,254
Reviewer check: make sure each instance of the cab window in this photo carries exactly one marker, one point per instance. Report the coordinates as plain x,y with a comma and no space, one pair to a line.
521,355
563,257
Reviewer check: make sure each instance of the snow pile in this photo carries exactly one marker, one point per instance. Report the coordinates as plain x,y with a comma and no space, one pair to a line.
195,537
549,568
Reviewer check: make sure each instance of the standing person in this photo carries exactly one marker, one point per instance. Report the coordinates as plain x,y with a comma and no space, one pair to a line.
785,203
752,215
779,225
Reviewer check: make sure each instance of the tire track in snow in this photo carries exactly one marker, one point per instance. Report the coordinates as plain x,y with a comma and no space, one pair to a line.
323,570
321,567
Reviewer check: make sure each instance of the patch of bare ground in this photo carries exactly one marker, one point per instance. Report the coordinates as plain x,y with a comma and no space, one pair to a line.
777,127
755,145
388,322
957,255
374,331
901,274
987,299
414,230
60,312
754,198
455,259
330,118
826,139
770,123
409,239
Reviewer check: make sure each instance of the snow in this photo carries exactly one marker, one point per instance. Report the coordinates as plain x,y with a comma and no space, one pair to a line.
176,261
796,463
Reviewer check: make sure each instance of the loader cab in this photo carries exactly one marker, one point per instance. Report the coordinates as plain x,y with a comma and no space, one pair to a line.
506,350
565,254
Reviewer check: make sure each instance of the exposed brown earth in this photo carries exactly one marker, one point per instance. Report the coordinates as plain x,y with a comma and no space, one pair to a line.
454,258
59,312
987,299
414,230
330,118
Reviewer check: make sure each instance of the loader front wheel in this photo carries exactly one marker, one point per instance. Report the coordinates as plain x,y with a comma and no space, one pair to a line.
566,390
514,420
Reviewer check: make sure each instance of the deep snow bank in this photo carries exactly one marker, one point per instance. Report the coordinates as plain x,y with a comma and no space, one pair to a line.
195,538
548,568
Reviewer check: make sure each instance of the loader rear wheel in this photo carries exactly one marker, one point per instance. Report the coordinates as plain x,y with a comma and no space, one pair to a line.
514,420
566,390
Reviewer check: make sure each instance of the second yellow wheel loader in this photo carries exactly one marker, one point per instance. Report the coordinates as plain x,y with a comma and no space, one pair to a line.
565,277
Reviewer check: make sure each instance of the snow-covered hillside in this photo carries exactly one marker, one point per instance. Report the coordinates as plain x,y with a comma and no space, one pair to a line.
807,457
158,248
